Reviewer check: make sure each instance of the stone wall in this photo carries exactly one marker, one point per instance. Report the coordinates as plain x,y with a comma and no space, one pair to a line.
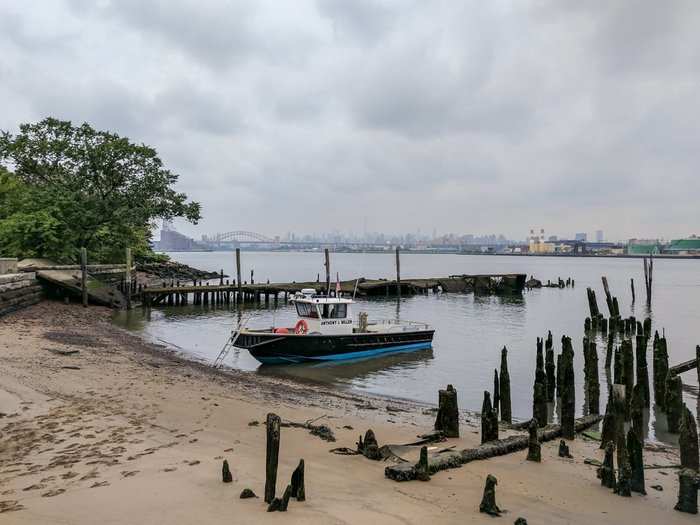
8,265
18,290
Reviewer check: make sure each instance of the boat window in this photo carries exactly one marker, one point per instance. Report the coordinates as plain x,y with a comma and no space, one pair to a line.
307,310
334,311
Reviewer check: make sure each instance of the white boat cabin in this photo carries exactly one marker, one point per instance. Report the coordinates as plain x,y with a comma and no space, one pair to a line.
321,314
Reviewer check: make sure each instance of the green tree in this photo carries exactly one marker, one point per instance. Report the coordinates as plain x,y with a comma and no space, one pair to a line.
75,186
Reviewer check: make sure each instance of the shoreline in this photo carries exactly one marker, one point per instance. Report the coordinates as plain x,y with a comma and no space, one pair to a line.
103,426
438,252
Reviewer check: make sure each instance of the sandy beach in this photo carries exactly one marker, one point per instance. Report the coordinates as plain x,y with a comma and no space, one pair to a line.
99,426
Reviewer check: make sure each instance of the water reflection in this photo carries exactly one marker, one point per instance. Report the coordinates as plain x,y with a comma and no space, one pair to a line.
351,371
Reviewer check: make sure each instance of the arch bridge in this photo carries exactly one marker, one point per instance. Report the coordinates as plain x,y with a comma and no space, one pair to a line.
240,236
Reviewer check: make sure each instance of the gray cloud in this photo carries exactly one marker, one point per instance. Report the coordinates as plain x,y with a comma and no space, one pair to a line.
469,117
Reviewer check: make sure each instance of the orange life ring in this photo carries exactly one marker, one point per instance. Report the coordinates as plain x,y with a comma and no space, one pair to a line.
301,328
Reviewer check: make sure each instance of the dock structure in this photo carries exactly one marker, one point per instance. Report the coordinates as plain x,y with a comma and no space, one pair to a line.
177,293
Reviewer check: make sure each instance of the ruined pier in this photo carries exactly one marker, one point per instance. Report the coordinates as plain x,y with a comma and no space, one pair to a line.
226,292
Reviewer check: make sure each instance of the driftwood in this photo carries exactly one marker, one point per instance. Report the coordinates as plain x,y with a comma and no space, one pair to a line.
444,460
322,431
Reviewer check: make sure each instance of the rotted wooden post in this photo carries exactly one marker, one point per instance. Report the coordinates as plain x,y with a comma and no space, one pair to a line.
83,276
127,277
398,273
272,456
238,271
632,287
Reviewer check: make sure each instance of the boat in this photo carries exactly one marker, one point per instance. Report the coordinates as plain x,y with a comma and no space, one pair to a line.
325,331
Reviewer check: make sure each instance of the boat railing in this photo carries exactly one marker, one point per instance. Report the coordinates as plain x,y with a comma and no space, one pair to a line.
397,322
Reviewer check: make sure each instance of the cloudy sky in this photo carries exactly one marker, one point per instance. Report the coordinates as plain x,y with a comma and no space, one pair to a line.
316,115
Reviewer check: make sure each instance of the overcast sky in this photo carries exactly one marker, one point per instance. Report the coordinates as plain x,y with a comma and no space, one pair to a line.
308,116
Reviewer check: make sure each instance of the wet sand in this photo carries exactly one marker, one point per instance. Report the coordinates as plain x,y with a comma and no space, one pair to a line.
99,426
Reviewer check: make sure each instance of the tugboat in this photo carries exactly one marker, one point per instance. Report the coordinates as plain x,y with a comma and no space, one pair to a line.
325,331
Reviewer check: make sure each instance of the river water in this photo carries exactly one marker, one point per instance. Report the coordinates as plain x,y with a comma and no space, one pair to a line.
470,330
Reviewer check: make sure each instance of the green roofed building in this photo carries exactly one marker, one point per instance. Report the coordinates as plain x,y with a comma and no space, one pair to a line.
643,248
689,246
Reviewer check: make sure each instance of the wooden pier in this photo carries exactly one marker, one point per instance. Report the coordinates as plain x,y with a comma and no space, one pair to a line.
225,292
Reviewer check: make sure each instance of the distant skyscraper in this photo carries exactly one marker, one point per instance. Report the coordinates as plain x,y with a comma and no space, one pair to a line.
599,237
580,237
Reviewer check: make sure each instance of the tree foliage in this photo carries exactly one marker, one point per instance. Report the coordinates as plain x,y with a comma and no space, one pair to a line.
75,186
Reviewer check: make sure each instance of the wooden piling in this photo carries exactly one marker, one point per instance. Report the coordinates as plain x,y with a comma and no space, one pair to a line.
550,369
83,276
627,356
632,287
327,264
447,419
272,456
504,388
592,381
636,459
534,448
642,370
568,398
688,441
398,272
127,278
297,484
489,421
674,403
238,271
648,276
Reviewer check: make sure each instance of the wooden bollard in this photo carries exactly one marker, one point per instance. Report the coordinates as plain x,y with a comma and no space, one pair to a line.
504,387
688,441
272,456
636,459
447,420
489,420
674,403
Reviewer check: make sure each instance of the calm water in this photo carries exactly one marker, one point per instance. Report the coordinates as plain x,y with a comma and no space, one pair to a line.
470,331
